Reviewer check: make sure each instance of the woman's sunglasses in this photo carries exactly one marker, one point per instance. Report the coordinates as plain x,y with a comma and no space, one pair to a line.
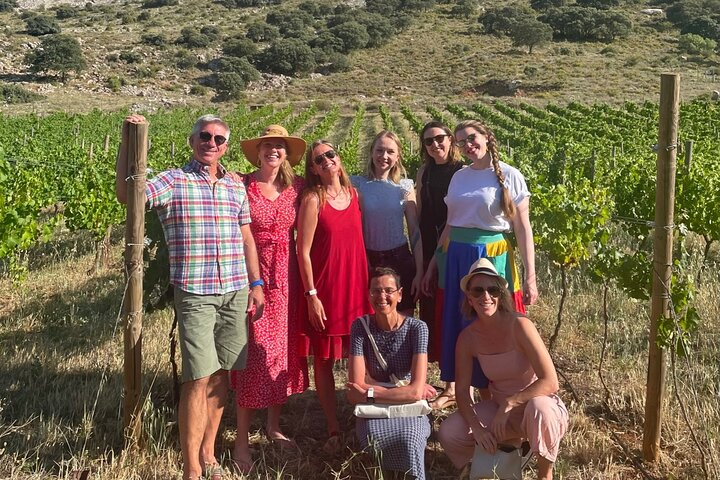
477,292
320,158
206,136
470,139
437,138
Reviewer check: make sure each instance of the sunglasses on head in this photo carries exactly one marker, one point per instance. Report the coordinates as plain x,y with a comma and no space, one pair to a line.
206,136
477,292
428,141
320,158
462,143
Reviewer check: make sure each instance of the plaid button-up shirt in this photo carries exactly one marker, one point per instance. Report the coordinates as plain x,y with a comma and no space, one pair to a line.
201,221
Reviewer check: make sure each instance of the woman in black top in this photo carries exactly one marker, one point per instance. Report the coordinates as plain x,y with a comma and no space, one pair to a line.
441,159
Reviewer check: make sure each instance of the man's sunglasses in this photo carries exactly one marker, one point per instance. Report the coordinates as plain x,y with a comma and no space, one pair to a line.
207,136
437,138
477,292
320,158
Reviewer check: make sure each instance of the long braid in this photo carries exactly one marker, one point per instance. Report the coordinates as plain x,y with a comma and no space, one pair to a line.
506,203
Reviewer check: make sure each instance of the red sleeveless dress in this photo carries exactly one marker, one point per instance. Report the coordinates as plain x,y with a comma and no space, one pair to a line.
341,276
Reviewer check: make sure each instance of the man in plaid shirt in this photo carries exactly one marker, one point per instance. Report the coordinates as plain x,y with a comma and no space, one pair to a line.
214,268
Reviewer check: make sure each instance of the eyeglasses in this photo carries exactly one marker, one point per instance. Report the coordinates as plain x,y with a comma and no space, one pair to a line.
437,138
320,158
462,143
207,136
477,292
376,292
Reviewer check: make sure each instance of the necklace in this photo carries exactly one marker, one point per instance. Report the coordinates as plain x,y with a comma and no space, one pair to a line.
334,197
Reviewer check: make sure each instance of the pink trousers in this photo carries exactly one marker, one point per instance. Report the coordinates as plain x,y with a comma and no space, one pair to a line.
542,422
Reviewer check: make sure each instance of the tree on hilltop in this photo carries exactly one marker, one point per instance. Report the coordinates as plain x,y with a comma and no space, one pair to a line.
531,32
57,53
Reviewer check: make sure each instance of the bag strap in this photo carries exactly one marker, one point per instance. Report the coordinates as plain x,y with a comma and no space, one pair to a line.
365,320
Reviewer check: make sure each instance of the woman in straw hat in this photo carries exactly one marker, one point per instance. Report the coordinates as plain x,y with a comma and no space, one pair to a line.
523,382
274,370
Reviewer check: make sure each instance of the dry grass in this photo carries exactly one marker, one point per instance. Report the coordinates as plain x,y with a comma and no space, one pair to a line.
61,387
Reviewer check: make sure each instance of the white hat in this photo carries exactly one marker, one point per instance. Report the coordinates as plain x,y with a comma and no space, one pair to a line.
482,266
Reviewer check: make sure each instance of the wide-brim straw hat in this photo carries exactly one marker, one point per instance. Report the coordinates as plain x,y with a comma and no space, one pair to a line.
482,266
295,145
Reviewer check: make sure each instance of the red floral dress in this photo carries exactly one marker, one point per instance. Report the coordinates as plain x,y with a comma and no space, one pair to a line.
274,370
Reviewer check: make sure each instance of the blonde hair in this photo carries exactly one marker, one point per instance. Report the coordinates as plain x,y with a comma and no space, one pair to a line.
397,171
313,182
454,155
506,203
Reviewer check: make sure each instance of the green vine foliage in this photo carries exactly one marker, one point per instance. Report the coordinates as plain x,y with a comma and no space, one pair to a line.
675,332
570,219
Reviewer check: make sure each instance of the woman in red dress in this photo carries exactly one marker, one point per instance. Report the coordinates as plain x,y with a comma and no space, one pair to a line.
274,370
333,269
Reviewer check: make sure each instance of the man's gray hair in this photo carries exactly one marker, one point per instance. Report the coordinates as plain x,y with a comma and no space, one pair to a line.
209,118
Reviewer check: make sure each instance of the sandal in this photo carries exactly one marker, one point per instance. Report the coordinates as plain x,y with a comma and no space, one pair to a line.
444,400
213,471
283,442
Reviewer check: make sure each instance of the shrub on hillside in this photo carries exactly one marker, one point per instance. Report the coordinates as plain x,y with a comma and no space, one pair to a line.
599,4
696,45
38,25
7,5
185,60
703,26
154,39
465,8
288,57
229,86
128,56
12,94
241,66
326,42
584,23
239,47
335,62
379,28
545,4
211,31
292,23
501,21
248,3
159,3
262,32
56,53
192,38
63,12
353,36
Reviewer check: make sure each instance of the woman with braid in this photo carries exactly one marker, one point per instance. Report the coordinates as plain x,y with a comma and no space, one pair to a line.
487,202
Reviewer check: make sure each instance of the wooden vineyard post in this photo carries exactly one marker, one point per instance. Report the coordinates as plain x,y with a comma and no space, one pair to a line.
132,305
662,259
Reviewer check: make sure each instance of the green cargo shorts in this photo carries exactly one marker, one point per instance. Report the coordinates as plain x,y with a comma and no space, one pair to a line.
213,332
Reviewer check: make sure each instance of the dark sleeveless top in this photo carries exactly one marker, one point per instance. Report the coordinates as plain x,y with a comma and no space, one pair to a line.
433,215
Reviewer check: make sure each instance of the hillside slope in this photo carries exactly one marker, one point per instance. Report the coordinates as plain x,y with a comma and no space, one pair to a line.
440,56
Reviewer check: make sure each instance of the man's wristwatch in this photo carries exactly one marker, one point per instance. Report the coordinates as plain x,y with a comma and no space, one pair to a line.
370,395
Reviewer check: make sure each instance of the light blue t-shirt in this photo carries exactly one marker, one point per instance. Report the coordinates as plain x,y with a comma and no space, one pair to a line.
383,211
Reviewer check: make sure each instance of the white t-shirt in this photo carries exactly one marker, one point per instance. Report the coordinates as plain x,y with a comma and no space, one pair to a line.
473,198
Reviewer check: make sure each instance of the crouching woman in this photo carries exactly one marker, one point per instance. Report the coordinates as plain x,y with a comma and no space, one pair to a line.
523,380
402,342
